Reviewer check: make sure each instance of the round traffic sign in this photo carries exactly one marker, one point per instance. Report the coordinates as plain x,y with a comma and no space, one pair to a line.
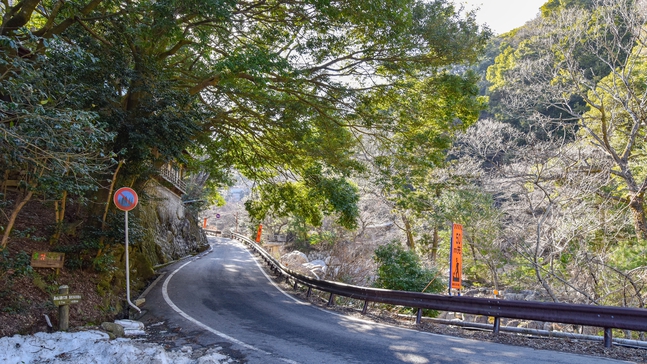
217,216
125,199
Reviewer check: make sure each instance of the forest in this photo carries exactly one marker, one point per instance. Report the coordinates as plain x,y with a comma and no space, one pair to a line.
345,115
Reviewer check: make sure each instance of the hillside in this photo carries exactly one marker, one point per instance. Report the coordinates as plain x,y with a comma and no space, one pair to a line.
160,231
25,292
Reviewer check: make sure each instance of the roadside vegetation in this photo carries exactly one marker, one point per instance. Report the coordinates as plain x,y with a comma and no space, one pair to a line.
358,123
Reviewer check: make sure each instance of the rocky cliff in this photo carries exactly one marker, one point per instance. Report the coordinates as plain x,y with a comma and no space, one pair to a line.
172,233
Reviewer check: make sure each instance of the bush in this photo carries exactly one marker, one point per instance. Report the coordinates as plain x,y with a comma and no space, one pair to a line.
402,270
19,263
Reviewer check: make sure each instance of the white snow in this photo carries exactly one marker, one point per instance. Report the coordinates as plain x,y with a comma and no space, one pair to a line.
131,327
95,347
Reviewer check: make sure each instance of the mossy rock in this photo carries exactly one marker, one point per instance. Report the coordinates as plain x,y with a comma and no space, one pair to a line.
143,267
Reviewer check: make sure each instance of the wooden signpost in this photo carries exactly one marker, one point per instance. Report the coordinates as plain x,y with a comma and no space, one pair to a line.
63,300
66,299
47,260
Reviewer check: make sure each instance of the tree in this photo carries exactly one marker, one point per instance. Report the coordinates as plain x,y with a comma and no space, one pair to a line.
405,159
269,88
49,146
553,229
594,56
308,200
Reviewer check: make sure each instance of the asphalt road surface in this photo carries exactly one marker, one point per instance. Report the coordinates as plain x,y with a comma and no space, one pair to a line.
224,298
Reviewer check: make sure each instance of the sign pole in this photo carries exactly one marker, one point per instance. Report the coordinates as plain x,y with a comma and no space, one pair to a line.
451,246
126,199
128,269
63,310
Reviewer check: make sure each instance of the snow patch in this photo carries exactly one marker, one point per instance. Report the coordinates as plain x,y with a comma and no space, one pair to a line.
93,347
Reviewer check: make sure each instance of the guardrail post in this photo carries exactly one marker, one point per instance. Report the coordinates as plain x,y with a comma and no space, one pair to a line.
365,307
63,311
295,285
497,325
608,337
331,300
419,316
309,292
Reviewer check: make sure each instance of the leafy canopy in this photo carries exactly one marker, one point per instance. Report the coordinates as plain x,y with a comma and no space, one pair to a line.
270,88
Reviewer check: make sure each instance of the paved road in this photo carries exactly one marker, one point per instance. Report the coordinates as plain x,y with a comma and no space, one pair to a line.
223,298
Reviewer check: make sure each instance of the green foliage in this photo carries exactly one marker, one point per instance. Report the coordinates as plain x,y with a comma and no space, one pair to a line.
401,270
270,89
201,193
57,146
519,276
83,253
104,263
324,239
309,200
20,263
628,255
428,116
26,233
552,7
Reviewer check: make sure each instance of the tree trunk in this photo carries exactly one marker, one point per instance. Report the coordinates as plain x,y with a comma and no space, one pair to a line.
434,245
407,229
59,213
12,219
637,206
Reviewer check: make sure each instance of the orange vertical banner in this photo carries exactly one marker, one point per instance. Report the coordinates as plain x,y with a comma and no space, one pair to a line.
260,231
204,226
456,257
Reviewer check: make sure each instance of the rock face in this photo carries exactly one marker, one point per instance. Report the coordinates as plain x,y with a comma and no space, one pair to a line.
316,267
294,259
175,233
161,231
298,262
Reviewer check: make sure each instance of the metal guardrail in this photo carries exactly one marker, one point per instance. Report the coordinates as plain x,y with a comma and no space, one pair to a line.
606,317
213,232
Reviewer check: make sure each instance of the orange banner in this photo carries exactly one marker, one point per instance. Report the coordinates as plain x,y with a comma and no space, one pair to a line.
456,267
260,231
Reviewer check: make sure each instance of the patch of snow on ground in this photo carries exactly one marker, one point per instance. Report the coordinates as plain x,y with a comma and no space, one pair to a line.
94,347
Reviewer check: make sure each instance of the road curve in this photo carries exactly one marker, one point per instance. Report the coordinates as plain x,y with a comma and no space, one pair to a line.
224,298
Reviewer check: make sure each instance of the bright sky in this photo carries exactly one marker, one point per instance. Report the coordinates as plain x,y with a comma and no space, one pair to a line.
504,15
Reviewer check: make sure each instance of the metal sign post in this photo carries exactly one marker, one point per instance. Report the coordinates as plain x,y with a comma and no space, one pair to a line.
126,199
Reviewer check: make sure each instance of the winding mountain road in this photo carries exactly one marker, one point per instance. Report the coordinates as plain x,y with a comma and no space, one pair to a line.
224,298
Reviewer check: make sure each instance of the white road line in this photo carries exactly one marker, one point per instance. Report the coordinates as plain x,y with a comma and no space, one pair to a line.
200,324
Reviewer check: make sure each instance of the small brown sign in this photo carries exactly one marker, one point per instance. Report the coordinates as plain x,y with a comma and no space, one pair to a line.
47,260
66,299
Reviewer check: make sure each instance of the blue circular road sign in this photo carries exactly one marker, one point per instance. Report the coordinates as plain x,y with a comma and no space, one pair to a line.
125,199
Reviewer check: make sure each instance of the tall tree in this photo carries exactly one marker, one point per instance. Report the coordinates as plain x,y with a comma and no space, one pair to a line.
49,146
586,66
271,88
